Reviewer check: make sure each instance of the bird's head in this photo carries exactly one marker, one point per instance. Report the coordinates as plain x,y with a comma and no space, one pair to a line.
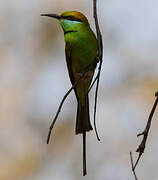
69,20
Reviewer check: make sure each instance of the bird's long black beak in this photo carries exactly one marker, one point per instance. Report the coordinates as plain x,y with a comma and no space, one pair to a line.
56,16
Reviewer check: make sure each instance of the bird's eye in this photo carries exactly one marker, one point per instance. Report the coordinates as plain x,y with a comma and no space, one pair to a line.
69,18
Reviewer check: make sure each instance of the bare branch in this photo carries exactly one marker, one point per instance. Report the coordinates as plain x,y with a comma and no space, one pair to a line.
132,165
100,56
145,133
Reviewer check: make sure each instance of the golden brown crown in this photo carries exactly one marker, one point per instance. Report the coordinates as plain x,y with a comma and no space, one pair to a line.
75,15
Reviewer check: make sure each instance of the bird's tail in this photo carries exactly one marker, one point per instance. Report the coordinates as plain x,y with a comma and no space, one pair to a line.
82,125
83,120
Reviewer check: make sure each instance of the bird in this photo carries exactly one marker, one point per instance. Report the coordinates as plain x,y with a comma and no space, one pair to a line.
81,49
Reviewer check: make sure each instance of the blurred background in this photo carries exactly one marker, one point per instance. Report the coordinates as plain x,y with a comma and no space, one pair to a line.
34,78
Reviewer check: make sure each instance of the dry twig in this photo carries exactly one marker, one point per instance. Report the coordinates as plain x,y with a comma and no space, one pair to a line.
132,165
100,57
145,133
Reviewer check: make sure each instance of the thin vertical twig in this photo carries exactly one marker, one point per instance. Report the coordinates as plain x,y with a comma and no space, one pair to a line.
100,57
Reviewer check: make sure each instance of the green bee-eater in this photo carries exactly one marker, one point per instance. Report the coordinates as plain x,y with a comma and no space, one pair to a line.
81,49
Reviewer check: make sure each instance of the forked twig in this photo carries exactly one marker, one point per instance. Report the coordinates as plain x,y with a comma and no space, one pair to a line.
132,165
145,133
100,56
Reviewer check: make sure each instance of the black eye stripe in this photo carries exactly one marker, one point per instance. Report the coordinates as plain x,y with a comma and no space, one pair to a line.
72,18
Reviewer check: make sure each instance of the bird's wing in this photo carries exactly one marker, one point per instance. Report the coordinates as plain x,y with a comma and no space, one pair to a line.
69,62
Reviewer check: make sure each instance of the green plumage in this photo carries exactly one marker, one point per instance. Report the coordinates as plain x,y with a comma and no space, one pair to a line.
81,48
81,52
